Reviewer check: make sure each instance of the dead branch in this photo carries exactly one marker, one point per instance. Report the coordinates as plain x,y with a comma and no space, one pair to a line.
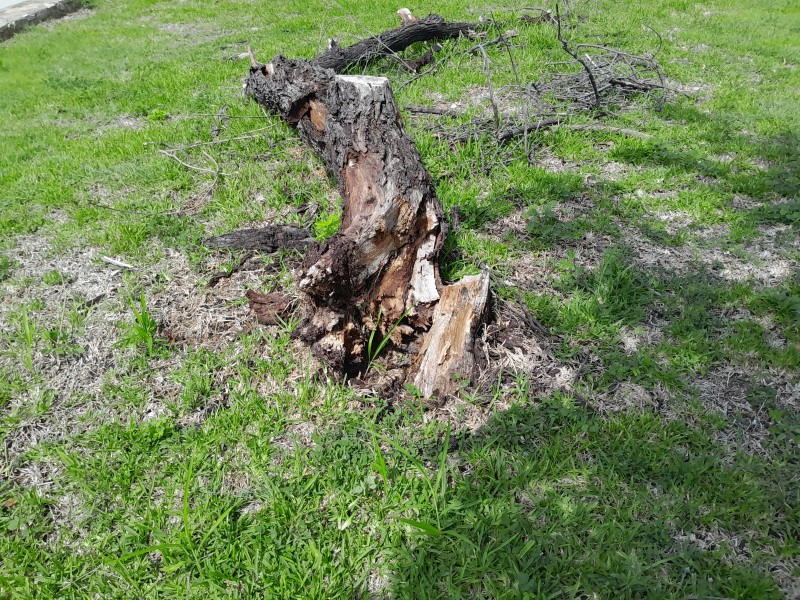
270,238
118,263
428,110
431,28
574,55
214,172
487,68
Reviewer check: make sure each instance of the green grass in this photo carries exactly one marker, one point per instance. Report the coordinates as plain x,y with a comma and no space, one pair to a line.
149,450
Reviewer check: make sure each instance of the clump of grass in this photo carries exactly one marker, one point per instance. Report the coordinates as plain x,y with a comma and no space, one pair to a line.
376,346
326,226
6,267
141,331
598,301
54,277
28,336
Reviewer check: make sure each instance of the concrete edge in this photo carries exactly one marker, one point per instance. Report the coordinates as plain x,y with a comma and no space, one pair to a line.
37,14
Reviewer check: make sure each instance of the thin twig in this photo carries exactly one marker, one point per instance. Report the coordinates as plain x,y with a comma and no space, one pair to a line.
660,39
118,263
142,213
488,70
216,277
578,58
185,164
217,115
425,110
606,128
213,142
210,189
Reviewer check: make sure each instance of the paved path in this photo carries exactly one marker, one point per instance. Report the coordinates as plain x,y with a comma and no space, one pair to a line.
7,3
16,14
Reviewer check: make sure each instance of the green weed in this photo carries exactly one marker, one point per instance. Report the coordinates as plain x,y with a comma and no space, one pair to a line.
142,331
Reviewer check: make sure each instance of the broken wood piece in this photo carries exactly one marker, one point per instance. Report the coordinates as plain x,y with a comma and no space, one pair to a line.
414,65
431,28
270,238
270,308
446,360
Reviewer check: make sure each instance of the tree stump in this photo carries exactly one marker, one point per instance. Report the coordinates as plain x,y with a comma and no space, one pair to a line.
379,275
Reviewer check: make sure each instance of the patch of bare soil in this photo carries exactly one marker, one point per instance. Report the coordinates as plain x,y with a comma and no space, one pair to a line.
709,540
72,392
768,260
727,391
192,33
72,377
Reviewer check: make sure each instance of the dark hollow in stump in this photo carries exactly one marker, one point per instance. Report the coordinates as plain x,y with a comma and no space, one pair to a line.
380,272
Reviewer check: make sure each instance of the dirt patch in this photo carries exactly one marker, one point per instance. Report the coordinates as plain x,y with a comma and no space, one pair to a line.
70,513
193,33
784,573
73,323
40,475
708,540
734,394
763,260
85,313
612,171
736,550
128,122
193,317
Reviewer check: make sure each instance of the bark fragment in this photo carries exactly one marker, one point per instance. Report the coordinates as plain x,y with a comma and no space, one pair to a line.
265,239
272,308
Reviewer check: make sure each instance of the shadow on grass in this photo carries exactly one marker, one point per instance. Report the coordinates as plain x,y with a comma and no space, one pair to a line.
773,160
553,501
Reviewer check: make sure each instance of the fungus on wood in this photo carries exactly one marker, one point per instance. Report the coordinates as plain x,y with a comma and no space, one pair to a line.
380,272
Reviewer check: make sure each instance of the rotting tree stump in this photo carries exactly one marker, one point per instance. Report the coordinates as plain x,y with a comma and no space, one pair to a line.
379,275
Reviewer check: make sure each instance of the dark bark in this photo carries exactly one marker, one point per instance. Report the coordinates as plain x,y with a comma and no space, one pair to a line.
270,309
432,27
270,238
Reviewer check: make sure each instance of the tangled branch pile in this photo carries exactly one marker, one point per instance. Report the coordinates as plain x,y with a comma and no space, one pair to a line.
595,83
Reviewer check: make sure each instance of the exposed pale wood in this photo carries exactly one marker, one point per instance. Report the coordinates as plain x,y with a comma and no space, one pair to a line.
446,360
117,263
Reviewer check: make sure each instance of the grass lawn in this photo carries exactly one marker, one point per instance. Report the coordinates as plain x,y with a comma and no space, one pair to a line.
158,443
